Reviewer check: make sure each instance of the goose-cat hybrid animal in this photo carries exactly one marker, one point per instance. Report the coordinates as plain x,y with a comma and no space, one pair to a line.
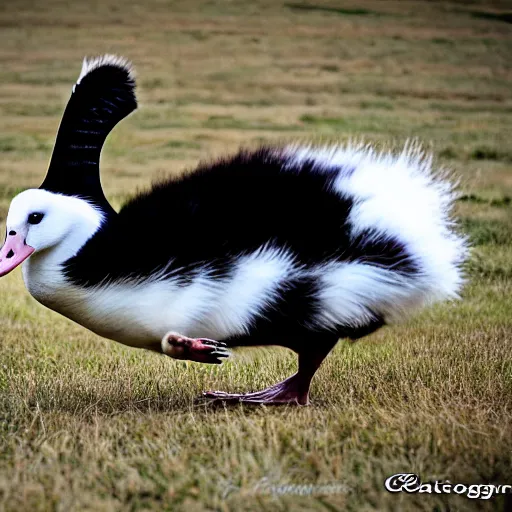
292,246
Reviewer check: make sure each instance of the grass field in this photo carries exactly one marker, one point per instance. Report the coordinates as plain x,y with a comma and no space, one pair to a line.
87,424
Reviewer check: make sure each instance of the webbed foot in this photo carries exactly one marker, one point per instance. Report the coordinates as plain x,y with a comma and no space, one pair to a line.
289,391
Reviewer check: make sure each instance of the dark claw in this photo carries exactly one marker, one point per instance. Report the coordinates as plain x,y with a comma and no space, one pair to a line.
220,354
212,343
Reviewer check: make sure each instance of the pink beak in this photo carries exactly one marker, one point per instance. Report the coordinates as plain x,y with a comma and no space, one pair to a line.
14,252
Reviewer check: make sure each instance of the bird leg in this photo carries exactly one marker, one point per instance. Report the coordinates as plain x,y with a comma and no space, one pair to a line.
293,390
201,350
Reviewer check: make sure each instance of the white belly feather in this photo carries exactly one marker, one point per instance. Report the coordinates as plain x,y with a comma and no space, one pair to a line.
140,314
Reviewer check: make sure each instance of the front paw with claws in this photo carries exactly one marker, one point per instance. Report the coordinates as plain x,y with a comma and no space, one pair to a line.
201,350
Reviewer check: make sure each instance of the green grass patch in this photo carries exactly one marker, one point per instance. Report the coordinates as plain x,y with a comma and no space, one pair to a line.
482,231
502,202
331,10
22,143
8,191
153,83
376,105
494,16
331,68
328,121
442,41
491,262
489,153
449,153
182,144
31,110
242,124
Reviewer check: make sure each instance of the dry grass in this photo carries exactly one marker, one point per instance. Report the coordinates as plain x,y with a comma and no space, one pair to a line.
90,425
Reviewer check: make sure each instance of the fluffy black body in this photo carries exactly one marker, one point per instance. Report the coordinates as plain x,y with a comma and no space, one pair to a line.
226,210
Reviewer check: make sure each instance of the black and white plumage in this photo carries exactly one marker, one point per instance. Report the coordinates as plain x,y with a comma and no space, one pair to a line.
293,246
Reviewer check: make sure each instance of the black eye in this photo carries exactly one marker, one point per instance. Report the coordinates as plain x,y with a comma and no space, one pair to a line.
35,218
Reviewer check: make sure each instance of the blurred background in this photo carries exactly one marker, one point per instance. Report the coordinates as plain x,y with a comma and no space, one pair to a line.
214,75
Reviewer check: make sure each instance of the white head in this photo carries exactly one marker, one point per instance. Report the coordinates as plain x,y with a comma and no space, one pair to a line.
39,221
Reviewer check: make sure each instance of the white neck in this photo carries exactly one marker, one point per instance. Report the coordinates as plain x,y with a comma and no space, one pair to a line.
42,272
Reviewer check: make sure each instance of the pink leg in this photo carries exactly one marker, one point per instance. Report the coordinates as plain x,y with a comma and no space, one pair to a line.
293,390
201,350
